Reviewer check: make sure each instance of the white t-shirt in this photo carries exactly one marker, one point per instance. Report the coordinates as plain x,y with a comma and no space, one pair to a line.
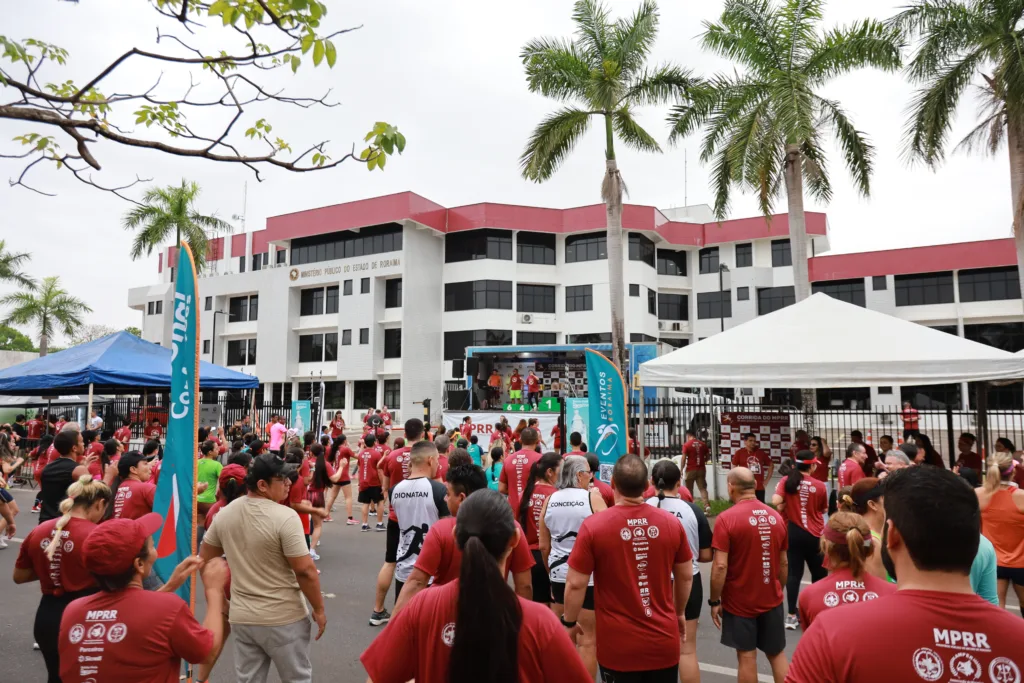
95,423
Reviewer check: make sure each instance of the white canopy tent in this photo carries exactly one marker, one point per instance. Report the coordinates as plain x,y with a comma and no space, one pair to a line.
823,343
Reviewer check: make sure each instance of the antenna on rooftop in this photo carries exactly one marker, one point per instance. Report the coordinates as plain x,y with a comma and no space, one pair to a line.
245,201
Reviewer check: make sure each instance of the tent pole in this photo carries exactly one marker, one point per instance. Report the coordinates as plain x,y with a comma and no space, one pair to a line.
640,434
88,412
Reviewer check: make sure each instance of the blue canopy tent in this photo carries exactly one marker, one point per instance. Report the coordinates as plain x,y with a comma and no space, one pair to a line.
119,363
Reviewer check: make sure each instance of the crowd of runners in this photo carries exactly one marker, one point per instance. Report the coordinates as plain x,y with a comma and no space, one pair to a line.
511,561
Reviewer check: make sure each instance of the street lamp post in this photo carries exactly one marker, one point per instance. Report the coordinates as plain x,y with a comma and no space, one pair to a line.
722,269
213,339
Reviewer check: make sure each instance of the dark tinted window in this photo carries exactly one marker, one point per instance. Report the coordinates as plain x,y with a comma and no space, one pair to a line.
208,305
281,255
989,284
334,395
535,248
924,289
393,293
744,255
671,262
478,244
771,299
374,239
742,293
848,398
331,301
455,343
673,307
311,301
639,337
878,283
535,298
579,298
589,247
393,392
254,307
364,285
641,249
781,253
311,348
591,338
634,290
331,346
393,343
478,294
238,309
524,338
364,394
346,337
652,302
709,260
364,335
714,305
850,291
241,352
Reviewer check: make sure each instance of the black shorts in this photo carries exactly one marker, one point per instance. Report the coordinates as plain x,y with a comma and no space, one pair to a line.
696,601
558,595
394,535
541,582
669,675
760,494
339,484
1014,575
371,494
6,496
398,589
765,632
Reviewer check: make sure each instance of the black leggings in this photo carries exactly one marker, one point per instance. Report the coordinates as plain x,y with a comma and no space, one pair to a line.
803,547
46,630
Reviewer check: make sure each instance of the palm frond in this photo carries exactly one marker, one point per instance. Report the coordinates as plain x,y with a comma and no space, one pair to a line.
591,19
632,133
552,141
798,19
721,182
556,68
947,30
665,83
815,171
858,153
11,263
632,38
866,43
987,136
747,33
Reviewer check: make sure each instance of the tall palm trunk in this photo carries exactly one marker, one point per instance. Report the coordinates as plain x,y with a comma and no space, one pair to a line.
44,344
611,193
798,254
1015,143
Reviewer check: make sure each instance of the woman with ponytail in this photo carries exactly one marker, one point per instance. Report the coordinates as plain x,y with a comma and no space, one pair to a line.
111,453
865,499
846,544
52,555
493,470
1002,522
456,639
539,485
803,500
324,478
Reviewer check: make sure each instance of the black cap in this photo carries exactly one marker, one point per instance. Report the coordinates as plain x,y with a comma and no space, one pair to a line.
267,466
130,460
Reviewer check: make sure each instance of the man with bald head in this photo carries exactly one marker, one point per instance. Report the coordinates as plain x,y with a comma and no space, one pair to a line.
749,570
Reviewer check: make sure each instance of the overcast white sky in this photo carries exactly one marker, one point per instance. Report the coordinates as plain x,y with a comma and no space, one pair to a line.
447,73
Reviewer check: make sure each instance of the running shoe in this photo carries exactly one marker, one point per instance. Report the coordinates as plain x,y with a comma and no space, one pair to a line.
3,542
328,518
792,623
366,527
381,527
379,618
351,522
312,553
35,508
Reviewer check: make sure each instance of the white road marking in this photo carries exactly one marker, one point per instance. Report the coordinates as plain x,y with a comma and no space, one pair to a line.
726,671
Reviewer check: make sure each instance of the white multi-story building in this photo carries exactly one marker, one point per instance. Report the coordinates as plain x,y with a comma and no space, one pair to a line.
377,297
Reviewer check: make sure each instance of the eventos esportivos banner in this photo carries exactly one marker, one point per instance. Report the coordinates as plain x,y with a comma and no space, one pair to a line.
606,394
483,423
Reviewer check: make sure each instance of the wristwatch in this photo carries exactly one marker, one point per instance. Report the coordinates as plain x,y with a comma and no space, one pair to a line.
714,603
567,624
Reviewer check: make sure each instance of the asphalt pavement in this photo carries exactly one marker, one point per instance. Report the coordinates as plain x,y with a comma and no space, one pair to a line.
349,563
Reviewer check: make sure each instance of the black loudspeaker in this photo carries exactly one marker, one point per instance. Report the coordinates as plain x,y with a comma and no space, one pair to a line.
472,366
457,368
458,400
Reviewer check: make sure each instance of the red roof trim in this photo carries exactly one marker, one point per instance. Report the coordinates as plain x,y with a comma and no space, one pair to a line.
929,259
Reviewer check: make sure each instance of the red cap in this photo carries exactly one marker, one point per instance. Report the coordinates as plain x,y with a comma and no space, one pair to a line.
233,471
111,547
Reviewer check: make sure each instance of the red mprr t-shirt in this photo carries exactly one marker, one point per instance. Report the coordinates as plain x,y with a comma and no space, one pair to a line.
757,462
134,499
34,428
396,469
124,435
424,632
66,572
154,432
929,636
441,558
514,472
850,472
442,467
515,382
369,458
337,428
696,454
297,494
606,492
532,383
341,460
837,589
631,551
751,582
541,491
129,636
805,508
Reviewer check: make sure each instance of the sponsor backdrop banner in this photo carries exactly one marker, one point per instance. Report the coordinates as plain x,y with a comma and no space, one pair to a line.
483,423
174,499
577,413
607,436
771,429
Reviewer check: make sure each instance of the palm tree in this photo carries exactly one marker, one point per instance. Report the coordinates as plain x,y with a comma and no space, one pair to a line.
11,264
601,72
167,209
958,43
765,124
50,309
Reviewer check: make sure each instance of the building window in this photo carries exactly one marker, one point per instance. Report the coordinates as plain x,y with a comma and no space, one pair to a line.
641,249
884,391
478,294
472,245
771,299
281,257
989,284
671,262
254,307
634,290
364,285
589,247
375,239
149,307
1005,336
714,305
364,394
591,338
208,304
158,308
652,302
334,395
850,291
346,337
709,260
742,293
924,289
524,338
241,264
536,248
782,255
673,307
364,335
311,348
932,397
744,255
206,346
331,299
393,343
393,293
535,298
241,352
311,301
393,392
331,346
844,398
347,288
639,337
579,298
243,308
675,342
455,343
878,283
257,261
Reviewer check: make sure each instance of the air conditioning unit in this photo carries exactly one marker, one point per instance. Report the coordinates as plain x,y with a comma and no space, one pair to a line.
662,325
526,318
676,327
